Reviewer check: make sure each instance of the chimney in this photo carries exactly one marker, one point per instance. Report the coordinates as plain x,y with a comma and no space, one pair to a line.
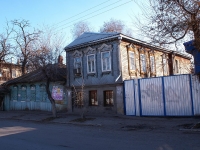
60,59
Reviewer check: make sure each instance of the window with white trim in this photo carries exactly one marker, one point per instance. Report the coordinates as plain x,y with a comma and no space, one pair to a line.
91,63
152,63
77,62
143,62
106,61
132,60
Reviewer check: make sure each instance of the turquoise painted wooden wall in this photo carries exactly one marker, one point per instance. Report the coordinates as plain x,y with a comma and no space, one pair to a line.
33,97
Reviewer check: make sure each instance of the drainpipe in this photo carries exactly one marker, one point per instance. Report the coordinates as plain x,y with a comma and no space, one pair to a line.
119,59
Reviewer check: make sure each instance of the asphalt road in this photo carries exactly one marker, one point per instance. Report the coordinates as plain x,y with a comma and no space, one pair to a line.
27,135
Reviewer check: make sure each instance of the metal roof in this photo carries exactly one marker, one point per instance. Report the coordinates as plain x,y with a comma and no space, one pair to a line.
91,37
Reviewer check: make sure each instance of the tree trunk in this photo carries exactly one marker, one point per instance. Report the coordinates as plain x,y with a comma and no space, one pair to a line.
23,67
53,104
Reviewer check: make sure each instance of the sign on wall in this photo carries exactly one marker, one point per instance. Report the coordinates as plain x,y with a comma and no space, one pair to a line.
57,93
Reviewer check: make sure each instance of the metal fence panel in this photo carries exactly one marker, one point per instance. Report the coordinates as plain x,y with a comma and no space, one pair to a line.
196,94
178,96
129,97
151,97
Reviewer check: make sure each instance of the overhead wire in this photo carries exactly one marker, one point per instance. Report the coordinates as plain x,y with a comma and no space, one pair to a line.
81,12
88,14
98,14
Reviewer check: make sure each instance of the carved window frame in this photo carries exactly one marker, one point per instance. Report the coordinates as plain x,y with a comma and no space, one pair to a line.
152,64
165,64
106,49
143,61
91,52
131,49
77,55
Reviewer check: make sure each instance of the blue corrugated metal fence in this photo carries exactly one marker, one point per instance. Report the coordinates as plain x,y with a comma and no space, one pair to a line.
163,96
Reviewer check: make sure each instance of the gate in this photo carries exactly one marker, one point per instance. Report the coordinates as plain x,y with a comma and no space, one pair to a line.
162,96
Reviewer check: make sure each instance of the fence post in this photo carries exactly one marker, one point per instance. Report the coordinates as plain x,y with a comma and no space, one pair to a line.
163,92
191,93
139,92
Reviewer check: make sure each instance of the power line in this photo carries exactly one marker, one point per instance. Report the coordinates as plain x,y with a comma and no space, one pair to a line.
98,14
82,12
88,14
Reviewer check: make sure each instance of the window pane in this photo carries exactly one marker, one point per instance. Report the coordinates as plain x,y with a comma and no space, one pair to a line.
106,62
23,93
131,61
93,98
77,62
91,63
108,98
15,93
33,93
143,62
152,64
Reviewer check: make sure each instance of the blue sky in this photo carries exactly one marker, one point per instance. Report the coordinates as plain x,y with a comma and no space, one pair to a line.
62,14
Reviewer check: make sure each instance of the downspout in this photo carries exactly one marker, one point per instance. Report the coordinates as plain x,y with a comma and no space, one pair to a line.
119,59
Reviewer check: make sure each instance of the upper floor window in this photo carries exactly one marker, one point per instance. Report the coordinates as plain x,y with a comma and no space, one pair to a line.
164,66
132,60
77,65
176,67
143,62
91,63
152,64
14,73
77,62
106,61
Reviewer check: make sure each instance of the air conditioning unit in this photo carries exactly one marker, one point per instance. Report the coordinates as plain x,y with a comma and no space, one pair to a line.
77,71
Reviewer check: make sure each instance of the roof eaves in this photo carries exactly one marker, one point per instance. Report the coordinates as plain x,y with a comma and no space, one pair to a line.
91,42
154,46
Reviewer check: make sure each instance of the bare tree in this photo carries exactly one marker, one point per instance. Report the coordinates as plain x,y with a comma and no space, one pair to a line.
79,96
114,25
79,28
53,72
171,21
47,48
5,46
47,56
24,41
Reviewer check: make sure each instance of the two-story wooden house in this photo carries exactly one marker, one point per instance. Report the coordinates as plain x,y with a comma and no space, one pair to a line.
98,63
9,71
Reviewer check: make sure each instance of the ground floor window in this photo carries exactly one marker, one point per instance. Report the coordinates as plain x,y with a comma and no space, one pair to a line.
93,98
78,102
108,98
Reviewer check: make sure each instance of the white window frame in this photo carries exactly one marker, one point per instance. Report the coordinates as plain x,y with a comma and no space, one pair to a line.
108,66
94,64
75,67
152,63
132,60
143,62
